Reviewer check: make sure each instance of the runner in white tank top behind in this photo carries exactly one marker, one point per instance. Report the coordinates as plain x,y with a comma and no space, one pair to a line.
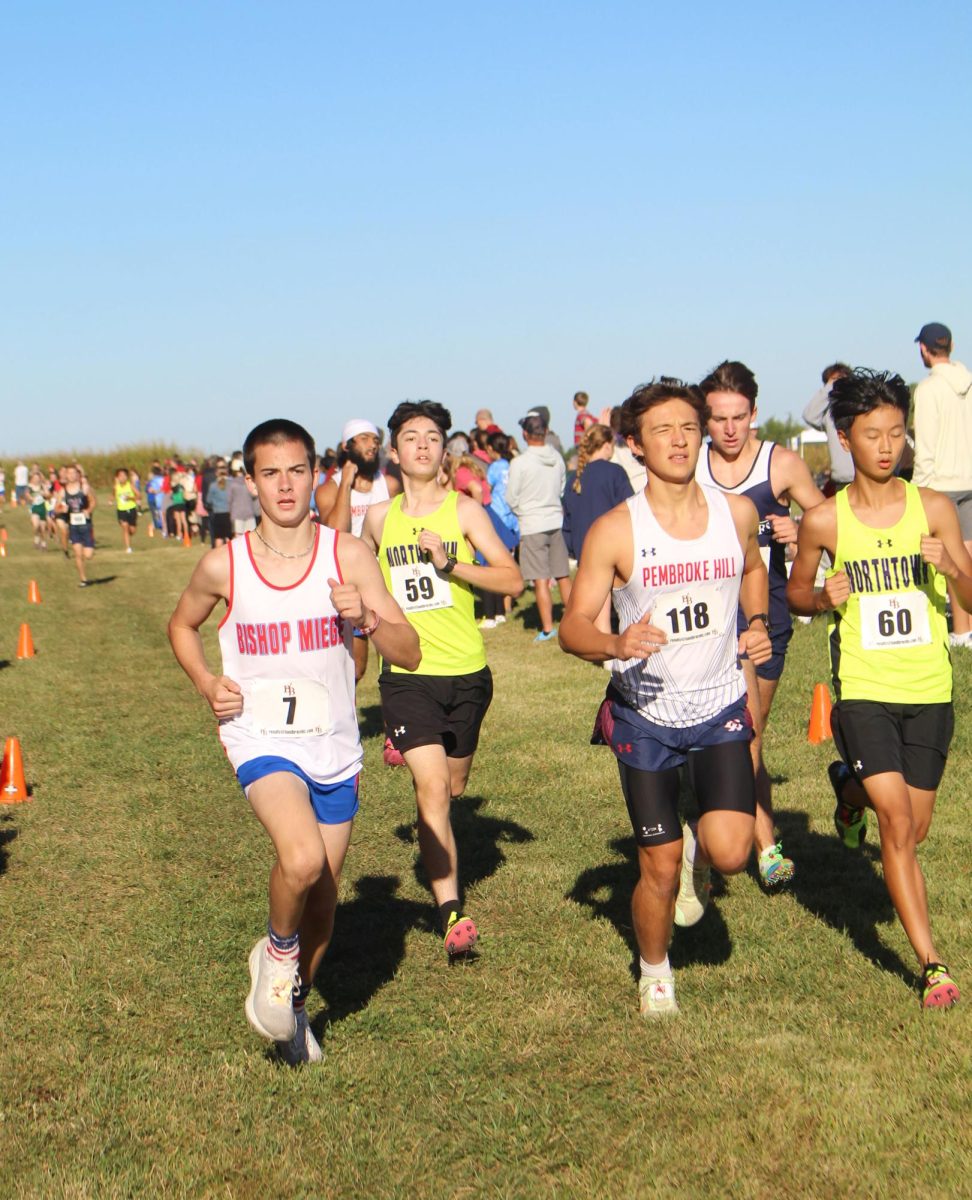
678,558
343,501
285,705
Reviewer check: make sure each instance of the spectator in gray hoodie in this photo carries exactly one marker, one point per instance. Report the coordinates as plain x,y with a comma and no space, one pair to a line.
533,492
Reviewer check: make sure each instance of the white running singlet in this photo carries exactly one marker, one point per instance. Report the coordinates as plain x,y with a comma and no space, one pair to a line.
362,501
290,652
691,588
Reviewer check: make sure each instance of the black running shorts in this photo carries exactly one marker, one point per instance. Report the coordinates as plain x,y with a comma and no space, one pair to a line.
435,710
909,739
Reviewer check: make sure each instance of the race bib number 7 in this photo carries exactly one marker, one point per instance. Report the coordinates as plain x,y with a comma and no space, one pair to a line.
893,620
289,708
690,614
419,588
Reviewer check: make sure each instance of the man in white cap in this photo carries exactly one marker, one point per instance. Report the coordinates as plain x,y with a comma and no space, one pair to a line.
343,502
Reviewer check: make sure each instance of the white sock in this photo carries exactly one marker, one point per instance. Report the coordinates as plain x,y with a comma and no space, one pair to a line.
662,970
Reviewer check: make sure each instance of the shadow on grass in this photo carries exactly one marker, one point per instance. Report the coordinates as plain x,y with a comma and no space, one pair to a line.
6,836
4,662
102,579
370,721
606,891
367,947
478,840
843,888
528,616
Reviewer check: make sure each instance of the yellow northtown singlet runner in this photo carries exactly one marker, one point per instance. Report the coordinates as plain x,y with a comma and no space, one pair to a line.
440,608
889,639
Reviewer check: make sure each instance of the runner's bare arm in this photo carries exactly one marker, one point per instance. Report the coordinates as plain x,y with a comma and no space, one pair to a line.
325,497
818,532
364,600
792,481
606,561
943,548
502,575
754,588
373,525
209,584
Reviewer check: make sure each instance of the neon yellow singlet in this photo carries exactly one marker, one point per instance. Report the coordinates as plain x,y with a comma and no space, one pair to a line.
125,497
439,608
889,639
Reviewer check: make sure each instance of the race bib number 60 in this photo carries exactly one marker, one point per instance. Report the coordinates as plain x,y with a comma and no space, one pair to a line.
893,620
691,614
289,708
418,588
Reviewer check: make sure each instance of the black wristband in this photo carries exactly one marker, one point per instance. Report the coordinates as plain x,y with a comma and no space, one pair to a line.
450,565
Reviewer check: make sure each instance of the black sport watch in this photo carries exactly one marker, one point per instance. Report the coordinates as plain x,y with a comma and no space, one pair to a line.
764,617
450,565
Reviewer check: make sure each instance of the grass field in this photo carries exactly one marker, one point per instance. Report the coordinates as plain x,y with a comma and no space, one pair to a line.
133,885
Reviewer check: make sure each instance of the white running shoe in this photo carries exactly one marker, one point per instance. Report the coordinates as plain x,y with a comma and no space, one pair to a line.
270,1005
960,639
487,623
657,994
303,1047
501,620
694,885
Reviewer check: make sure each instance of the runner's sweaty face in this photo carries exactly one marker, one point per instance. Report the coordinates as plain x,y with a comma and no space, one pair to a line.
876,441
282,481
669,441
729,423
419,448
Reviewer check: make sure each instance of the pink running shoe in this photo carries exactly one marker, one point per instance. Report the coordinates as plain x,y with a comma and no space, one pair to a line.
461,935
392,757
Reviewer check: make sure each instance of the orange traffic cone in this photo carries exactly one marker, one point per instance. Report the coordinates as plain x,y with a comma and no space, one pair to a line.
13,786
33,592
3,535
187,540
25,643
819,730
3,549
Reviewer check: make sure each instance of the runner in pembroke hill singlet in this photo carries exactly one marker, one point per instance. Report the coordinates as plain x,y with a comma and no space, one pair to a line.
426,541
285,704
678,559
770,476
893,547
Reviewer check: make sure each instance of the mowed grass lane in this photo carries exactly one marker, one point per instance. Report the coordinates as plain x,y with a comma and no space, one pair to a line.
134,884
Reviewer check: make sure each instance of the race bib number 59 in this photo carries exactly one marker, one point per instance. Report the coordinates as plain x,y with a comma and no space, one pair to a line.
893,620
289,708
418,588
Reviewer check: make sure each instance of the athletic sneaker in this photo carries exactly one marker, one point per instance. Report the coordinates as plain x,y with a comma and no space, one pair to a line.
960,639
938,988
694,885
84,583
392,757
461,935
774,868
501,620
487,623
657,994
850,822
270,1005
545,637
303,1047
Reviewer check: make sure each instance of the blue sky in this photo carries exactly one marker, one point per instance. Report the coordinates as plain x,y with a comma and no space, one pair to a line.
215,213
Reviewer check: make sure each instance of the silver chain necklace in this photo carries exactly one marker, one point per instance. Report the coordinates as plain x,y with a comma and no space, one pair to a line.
302,554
